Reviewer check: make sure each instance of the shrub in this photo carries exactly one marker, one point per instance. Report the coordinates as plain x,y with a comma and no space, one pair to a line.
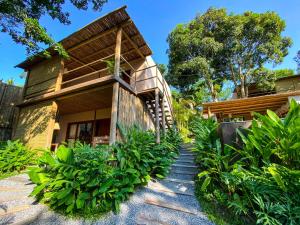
15,157
84,180
261,180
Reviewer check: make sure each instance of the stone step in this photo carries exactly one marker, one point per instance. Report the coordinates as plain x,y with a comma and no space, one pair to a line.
190,159
167,205
185,162
181,188
179,181
184,169
188,154
172,189
181,176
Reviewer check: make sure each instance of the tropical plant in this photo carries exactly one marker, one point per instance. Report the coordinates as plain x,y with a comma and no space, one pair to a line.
15,157
21,21
259,181
85,180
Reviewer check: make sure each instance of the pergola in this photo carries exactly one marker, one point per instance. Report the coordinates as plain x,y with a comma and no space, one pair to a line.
247,106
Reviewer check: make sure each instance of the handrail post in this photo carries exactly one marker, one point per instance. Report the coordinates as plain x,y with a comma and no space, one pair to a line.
115,94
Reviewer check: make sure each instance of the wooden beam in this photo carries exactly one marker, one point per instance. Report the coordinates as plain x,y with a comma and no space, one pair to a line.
115,94
82,63
163,116
157,115
134,45
124,24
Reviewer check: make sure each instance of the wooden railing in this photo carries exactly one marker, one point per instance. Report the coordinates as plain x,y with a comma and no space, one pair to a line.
151,78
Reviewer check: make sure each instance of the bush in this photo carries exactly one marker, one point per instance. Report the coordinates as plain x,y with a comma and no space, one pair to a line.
83,180
261,180
14,157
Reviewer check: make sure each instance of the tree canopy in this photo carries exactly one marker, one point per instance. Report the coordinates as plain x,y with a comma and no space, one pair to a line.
218,46
20,20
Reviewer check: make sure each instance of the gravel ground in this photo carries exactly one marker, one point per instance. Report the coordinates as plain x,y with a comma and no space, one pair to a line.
17,208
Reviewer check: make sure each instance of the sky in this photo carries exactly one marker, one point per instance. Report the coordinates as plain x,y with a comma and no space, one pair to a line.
155,19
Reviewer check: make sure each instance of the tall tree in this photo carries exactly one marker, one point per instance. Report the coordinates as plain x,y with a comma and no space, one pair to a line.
216,46
20,20
193,53
252,40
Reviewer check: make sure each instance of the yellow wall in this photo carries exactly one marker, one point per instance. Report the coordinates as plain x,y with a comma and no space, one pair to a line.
77,117
35,124
42,77
290,84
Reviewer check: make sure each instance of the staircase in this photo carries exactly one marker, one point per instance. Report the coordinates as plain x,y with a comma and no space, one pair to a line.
162,202
149,99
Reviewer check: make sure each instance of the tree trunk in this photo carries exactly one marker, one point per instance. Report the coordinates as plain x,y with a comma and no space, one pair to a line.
212,91
246,87
243,94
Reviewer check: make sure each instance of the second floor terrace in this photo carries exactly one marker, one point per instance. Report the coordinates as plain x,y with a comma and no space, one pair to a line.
109,49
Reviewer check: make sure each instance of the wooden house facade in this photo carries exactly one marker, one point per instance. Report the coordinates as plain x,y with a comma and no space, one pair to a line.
109,78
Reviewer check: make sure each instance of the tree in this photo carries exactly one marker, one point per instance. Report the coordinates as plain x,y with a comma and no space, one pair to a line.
216,46
251,41
20,20
283,73
193,53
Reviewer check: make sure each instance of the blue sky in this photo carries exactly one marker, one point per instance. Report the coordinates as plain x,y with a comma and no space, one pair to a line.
155,20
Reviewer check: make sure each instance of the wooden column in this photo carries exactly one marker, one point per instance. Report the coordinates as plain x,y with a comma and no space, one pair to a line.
208,112
60,76
115,94
163,115
157,115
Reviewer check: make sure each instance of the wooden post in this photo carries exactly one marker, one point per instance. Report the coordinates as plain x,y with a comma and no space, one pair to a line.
60,76
157,115
163,115
208,112
115,94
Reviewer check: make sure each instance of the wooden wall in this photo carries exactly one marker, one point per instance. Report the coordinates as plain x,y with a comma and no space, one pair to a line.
10,95
132,110
35,124
42,77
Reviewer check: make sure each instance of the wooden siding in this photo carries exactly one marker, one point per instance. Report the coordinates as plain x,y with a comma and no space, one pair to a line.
42,78
132,110
35,124
9,96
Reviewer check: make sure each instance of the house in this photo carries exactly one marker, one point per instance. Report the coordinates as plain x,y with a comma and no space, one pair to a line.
109,78
258,101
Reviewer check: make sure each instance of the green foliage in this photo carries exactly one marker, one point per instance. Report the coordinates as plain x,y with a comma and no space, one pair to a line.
260,180
20,20
183,112
84,180
218,46
15,157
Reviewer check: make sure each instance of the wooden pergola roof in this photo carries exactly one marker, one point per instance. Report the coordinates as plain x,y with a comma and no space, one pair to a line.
248,105
97,40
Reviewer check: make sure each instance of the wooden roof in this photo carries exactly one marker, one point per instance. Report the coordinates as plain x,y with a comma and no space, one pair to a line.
97,40
248,105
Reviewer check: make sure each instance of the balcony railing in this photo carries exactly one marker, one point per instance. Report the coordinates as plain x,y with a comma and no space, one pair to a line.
141,80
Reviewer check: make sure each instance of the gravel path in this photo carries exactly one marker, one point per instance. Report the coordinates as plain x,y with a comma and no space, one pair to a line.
163,202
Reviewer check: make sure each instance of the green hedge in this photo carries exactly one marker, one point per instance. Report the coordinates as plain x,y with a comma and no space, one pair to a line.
260,183
83,180
15,157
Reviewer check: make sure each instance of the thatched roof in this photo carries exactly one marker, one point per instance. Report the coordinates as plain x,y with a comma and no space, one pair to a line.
97,40
247,105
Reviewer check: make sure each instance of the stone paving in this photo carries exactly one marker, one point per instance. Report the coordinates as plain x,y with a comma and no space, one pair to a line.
162,202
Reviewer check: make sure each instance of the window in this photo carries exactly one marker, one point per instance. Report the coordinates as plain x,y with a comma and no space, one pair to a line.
86,131
81,131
